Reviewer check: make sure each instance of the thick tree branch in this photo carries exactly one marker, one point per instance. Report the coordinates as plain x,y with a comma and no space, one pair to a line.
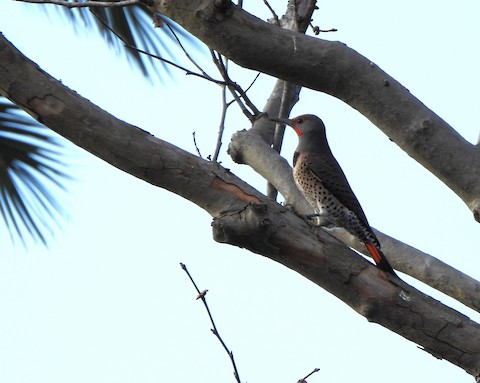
123,145
252,147
246,148
243,216
338,70
282,239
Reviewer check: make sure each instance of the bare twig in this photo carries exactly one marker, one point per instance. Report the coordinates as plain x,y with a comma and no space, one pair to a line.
316,29
253,82
222,124
275,16
196,146
304,380
187,71
201,295
236,90
243,95
203,75
186,53
84,4
222,69
279,133
282,113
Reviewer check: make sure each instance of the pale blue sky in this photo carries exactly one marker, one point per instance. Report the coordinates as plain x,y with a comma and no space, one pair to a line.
108,302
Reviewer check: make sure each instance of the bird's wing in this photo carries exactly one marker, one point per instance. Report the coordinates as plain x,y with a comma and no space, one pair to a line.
327,170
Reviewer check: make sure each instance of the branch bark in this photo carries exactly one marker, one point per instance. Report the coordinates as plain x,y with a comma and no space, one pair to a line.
246,148
252,147
243,216
335,69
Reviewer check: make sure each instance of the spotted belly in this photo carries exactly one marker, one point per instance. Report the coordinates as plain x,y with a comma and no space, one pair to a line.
327,206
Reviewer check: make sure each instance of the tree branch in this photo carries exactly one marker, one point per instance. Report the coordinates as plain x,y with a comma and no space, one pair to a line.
242,216
335,69
201,295
247,148
390,303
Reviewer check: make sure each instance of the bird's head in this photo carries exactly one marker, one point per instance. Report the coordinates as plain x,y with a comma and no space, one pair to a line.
306,126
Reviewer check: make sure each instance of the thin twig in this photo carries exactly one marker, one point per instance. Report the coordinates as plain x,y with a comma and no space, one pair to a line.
236,90
196,146
279,133
221,68
186,53
69,4
201,295
282,113
130,46
222,124
304,380
247,100
253,82
275,16
316,29
187,71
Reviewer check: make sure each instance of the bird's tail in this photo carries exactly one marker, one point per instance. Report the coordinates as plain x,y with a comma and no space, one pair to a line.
380,259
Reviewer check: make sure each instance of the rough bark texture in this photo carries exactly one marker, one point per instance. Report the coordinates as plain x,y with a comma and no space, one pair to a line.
246,148
389,302
338,70
243,216
253,148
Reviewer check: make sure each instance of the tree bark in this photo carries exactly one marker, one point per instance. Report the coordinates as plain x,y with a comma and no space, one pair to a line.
243,216
335,69
253,148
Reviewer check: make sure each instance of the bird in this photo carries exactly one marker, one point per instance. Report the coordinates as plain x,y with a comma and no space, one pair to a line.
322,181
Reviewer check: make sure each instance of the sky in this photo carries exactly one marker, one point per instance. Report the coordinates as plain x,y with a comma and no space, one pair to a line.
107,300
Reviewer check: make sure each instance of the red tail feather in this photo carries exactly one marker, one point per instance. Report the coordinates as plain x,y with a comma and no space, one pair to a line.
379,259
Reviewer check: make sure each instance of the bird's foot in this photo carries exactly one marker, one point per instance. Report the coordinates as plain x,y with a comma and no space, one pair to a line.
313,219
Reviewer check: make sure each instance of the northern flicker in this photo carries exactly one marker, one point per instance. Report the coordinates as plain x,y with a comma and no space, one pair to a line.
324,185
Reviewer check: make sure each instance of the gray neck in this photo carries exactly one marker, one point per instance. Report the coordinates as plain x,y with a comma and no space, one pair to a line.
313,143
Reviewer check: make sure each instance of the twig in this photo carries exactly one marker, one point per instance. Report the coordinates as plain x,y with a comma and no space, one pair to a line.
277,21
201,295
304,380
316,29
69,4
196,146
222,124
253,82
221,68
186,53
187,71
130,46
236,90
280,128
279,133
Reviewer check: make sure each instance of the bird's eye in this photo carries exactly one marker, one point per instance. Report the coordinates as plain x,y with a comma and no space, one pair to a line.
299,120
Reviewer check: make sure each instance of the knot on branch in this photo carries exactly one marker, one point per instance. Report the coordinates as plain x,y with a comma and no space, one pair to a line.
235,148
249,228
475,207
419,133
222,5
246,142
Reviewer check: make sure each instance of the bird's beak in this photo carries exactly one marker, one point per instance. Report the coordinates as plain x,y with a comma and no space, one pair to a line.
285,121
